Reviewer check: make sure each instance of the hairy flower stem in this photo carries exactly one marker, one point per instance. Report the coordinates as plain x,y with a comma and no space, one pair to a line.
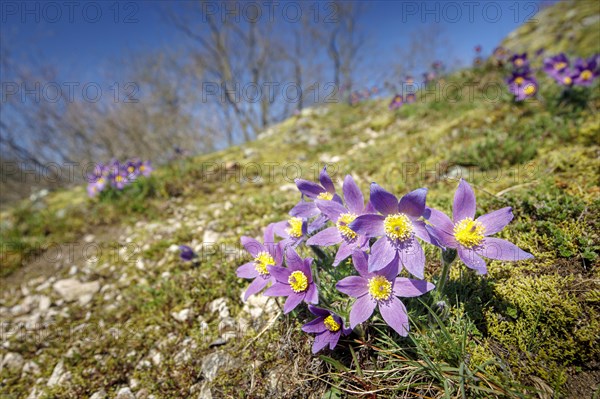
448,256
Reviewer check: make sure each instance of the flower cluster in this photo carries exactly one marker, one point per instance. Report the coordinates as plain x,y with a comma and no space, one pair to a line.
521,83
399,100
382,241
582,73
116,174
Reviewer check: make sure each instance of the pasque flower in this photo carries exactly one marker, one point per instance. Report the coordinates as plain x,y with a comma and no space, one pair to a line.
186,253
411,98
294,281
328,328
342,216
398,225
556,65
586,71
380,289
314,191
265,255
522,85
470,236
396,102
519,61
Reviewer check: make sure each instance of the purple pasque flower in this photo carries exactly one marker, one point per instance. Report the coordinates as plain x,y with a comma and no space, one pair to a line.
265,255
342,216
586,70
500,53
556,65
396,102
132,169
145,168
186,253
328,326
398,225
522,85
293,231
314,191
519,61
380,289
411,98
478,49
294,281
119,179
469,236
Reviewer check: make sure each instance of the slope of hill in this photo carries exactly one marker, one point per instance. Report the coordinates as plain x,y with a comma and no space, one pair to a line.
102,305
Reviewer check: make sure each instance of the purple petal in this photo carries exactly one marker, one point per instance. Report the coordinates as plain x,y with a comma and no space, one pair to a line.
325,238
277,289
443,227
361,310
279,228
331,209
496,221
413,258
280,274
368,225
354,286
344,251
317,311
390,272
309,188
312,295
305,268
334,337
252,246
382,253
464,202
394,314
294,261
426,233
269,236
326,180
322,340
247,270
496,248
315,326
353,196
413,203
293,300
258,284
406,287
385,202
360,262
305,209
472,260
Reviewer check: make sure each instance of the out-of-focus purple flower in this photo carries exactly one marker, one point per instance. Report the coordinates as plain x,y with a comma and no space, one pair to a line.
522,85
314,191
469,236
429,77
478,49
396,102
411,98
265,255
586,70
437,66
556,64
500,53
540,51
145,168
328,328
294,281
398,225
342,216
519,61
119,180
186,253
380,289
478,61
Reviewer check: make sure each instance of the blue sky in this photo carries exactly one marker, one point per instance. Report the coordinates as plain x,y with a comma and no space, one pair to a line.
82,40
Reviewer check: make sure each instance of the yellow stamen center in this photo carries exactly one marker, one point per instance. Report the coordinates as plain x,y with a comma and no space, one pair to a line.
331,324
567,80
398,226
295,227
519,62
298,281
342,225
130,169
519,81
100,180
119,178
586,75
529,89
560,66
380,288
142,168
469,232
262,260
325,196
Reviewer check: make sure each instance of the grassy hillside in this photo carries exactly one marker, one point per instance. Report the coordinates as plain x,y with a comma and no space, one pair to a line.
158,326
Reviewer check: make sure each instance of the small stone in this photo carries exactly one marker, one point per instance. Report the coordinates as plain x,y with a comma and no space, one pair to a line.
72,289
31,368
13,362
212,363
59,375
183,315
219,305
125,393
210,237
101,394
44,303
142,394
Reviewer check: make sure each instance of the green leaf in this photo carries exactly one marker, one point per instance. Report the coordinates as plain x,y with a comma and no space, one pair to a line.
338,366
